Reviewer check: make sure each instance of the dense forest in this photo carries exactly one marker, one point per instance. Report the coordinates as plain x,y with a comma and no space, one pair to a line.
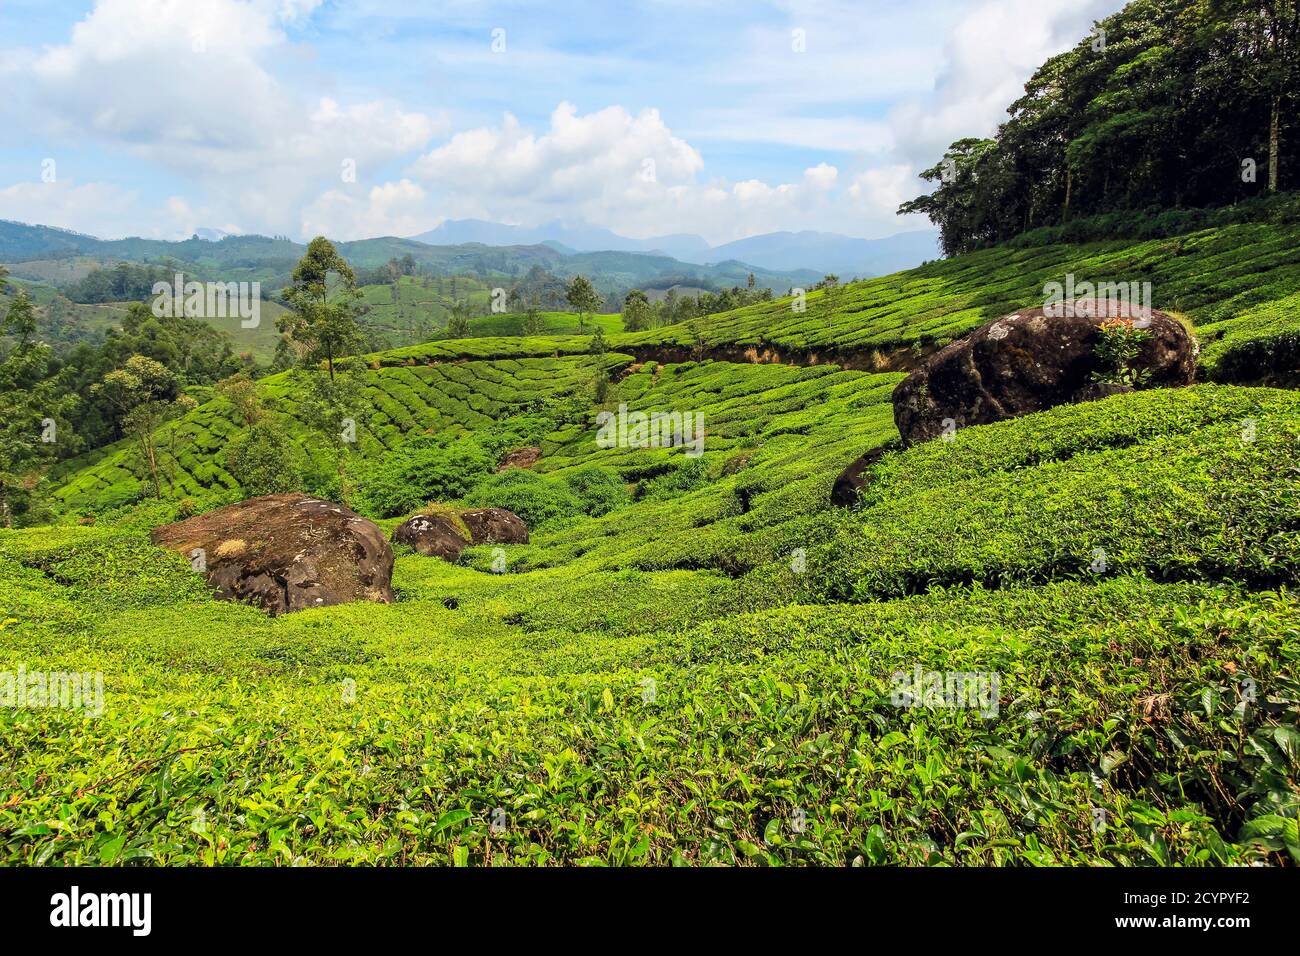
1167,105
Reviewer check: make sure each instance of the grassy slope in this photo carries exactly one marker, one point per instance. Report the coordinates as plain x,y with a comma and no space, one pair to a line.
100,317
419,307
530,693
1160,690
91,319
1236,284
400,400
553,323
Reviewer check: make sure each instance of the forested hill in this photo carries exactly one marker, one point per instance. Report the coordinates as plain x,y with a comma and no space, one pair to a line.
1166,105
270,260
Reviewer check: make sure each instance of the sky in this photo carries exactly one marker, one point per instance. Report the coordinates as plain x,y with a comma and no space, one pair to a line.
357,119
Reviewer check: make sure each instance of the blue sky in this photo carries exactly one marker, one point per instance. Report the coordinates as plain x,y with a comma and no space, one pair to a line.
362,118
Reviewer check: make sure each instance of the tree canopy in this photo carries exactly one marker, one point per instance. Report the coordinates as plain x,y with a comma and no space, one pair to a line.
1167,104
323,303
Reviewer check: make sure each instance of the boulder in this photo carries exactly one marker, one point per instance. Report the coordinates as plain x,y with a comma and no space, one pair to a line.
495,526
520,458
286,552
1030,361
433,535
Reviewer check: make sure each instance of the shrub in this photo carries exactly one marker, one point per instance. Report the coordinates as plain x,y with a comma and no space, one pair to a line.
1119,343
264,460
689,474
601,490
536,499
518,431
422,469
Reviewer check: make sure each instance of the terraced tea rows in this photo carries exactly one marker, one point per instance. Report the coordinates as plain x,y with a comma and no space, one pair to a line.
597,710
399,401
1236,284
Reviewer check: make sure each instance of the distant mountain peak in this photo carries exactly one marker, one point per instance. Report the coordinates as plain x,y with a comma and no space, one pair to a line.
826,252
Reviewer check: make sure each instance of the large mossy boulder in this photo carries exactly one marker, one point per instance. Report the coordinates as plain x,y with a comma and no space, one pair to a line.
434,535
1030,361
286,552
495,526
439,532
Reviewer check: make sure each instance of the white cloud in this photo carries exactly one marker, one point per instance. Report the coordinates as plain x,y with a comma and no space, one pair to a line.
182,85
97,209
609,152
626,172
821,176
988,56
878,192
391,209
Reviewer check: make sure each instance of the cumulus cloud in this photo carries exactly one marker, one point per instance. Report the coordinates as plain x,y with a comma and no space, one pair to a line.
627,172
821,176
882,188
988,55
183,85
609,154
391,209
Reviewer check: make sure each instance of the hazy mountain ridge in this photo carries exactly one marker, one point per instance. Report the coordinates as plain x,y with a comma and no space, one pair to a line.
578,237
819,252
270,260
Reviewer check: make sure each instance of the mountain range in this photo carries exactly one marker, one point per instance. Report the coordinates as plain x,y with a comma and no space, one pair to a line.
39,253
784,251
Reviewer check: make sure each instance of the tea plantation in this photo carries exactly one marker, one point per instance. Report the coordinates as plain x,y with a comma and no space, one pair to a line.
1237,284
695,659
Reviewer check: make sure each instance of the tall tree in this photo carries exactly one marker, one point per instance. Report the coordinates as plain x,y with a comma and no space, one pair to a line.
1167,104
582,296
35,416
1269,30
323,300
143,391
20,319
636,311
331,407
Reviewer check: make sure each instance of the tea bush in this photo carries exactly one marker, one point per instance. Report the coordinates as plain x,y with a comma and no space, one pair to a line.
424,468
707,671
600,490
536,499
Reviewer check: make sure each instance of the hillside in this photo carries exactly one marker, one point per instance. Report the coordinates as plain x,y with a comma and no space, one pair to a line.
672,635
269,261
1237,284
1239,287
697,659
